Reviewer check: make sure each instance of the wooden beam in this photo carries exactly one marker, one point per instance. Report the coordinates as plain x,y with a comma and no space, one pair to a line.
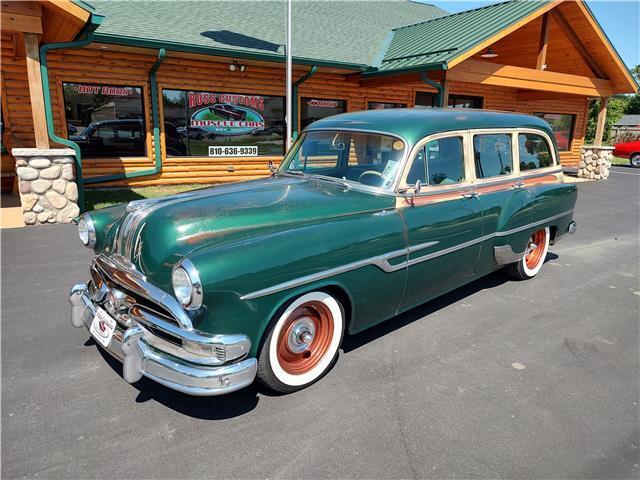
445,92
25,8
544,42
612,51
391,80
16,22
602,118
32,54
503,33
531,96
571,35
68,7
487,73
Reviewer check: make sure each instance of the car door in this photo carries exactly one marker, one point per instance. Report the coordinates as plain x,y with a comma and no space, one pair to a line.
443,221
506,205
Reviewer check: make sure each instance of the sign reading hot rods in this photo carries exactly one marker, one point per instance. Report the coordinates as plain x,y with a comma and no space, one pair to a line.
226,114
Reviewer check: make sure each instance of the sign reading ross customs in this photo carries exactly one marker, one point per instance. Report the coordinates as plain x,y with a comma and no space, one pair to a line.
228,115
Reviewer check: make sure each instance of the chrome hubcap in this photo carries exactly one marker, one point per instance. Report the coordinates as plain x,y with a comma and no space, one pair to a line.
531,247
301,335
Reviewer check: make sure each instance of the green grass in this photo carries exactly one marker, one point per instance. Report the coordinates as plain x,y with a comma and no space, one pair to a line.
620,161
96,198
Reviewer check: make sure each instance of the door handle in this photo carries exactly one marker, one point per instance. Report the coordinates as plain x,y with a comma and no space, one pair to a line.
518,185
470,194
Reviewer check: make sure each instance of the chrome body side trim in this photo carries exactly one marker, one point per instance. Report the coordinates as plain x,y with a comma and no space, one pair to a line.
382,261
504,255
137,348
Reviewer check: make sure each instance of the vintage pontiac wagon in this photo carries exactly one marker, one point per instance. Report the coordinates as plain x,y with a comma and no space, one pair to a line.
370,214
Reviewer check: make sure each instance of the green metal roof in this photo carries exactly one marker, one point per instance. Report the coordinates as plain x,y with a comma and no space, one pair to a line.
337,32
413,124
440,40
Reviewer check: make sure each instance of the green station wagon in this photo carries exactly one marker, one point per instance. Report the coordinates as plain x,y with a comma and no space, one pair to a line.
369,215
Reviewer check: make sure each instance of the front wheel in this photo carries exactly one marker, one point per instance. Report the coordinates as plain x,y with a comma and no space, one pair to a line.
534,256
302,343
634,160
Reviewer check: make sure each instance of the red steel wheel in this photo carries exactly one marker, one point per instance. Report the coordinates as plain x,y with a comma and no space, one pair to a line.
536,248
305,338
302,343
534,256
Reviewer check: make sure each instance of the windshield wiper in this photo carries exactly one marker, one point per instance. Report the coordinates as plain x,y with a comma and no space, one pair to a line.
330,179
297,173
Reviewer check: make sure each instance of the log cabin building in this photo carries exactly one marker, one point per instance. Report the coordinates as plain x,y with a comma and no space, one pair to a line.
151,92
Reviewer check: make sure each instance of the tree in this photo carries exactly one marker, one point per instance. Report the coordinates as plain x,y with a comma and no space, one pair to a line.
615,109
633,105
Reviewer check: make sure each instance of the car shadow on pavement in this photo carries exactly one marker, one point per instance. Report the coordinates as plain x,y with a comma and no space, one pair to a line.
205,408
495,279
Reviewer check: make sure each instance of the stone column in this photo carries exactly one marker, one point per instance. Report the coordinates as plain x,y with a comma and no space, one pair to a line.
595,162
48,192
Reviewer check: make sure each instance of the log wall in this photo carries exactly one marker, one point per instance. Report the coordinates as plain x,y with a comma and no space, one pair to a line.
95,65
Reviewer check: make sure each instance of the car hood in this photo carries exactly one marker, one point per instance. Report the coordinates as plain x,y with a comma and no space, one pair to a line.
155,234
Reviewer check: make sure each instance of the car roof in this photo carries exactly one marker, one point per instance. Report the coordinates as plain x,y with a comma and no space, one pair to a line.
413,124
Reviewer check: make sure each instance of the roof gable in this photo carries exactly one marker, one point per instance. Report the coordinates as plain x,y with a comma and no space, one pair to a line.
443,39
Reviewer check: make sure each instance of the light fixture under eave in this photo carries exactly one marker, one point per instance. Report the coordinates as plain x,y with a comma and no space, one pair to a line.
235,66
489,53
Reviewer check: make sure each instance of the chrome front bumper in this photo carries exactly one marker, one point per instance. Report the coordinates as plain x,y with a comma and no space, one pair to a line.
143,353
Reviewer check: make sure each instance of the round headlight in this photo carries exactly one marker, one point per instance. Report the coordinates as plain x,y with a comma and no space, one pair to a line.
87,231
186,285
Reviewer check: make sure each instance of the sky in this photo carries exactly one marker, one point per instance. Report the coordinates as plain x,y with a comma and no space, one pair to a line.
618,18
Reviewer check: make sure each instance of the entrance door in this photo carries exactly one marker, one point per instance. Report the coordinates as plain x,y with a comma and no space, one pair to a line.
445,223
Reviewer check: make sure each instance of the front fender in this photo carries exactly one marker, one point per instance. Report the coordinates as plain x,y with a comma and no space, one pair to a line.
231,273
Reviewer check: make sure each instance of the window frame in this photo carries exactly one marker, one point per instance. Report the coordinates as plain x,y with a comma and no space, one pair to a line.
368,101
162,88
555,160
515,165
571,129
301,100
146,120
402,186
433,95
468,97
549,148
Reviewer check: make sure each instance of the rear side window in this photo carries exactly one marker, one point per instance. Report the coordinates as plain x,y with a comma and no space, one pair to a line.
534,152
492,155
439,162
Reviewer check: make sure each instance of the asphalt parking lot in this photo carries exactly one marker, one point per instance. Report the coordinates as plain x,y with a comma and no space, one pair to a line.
499,379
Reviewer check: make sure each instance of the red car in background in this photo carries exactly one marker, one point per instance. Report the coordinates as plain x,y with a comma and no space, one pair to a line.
630,150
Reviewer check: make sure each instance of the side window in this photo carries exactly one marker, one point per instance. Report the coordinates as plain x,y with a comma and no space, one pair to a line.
492,155
439,162
533,151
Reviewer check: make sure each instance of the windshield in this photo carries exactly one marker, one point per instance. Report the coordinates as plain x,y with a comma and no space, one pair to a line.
367,158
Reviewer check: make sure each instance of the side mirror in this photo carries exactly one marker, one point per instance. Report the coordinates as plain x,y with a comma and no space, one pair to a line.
418,188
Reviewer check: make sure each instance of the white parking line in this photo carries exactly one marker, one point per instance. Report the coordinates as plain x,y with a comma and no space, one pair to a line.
624,173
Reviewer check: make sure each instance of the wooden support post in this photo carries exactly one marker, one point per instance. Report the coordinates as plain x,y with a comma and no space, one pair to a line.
32,54
544,41
602,117
445,91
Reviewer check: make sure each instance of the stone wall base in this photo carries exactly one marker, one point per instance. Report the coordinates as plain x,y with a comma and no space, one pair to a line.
48,192
595,162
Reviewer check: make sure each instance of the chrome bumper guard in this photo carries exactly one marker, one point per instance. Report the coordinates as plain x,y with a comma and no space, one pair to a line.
137,349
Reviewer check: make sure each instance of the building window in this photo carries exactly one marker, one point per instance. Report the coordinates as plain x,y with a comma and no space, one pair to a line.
439,162
105,120
425,99
464,101
384,105
316,108
562,126
492,155
211,124
533,152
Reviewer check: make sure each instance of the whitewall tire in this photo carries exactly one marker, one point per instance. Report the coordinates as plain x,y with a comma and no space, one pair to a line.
303,343
534,256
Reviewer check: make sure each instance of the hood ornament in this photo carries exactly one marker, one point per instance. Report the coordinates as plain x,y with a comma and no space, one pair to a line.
272,168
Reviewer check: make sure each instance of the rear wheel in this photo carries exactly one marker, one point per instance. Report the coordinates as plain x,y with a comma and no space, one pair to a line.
634,160
533,258
302,344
